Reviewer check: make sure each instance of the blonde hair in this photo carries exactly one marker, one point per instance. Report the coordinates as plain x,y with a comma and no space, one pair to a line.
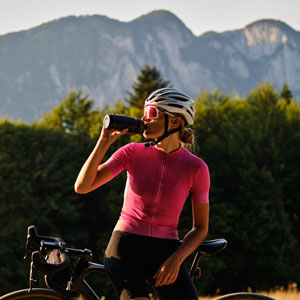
186,136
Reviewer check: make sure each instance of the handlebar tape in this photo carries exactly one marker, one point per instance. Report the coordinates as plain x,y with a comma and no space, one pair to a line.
46,268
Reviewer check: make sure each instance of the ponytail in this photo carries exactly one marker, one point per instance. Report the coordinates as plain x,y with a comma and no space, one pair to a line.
186,136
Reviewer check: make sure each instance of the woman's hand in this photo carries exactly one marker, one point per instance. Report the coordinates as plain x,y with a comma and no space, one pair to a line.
168,271
111,135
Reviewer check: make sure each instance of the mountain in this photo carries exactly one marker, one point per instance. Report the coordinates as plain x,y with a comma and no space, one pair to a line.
103,56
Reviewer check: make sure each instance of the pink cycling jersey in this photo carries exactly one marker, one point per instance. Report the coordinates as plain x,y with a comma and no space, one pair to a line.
157,187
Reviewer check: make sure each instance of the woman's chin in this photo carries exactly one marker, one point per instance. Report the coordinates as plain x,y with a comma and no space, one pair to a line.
148,135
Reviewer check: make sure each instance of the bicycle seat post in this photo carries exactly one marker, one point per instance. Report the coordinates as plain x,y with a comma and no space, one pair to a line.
195,270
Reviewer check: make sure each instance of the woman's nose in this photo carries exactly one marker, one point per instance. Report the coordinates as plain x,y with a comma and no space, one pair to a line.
144,118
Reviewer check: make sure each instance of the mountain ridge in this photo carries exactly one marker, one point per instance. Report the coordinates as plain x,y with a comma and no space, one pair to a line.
103,56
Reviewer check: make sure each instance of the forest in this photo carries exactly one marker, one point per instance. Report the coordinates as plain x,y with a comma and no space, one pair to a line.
250,144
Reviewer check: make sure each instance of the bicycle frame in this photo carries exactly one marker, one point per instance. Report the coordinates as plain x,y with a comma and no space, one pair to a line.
83,287
77,286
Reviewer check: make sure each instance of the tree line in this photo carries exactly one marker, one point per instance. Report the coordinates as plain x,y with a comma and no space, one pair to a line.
251,145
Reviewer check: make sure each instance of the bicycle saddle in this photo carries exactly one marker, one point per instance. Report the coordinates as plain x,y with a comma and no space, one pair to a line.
212,246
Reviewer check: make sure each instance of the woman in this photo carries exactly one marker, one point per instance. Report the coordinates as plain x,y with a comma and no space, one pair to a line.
144,245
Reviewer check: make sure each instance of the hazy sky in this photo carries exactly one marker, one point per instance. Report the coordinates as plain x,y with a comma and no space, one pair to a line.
198,15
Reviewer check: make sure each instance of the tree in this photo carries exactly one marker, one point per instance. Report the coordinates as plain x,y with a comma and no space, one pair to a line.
286,92
38,168
73,116
250,146
147,82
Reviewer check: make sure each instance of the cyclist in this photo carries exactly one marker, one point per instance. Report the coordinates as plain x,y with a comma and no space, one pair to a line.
144,245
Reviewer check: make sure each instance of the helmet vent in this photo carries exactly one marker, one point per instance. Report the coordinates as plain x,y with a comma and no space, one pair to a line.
179,98
175,105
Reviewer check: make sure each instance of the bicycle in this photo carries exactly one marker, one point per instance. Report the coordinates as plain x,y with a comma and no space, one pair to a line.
65,270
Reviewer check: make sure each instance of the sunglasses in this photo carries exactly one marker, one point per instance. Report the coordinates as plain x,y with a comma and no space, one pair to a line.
152,112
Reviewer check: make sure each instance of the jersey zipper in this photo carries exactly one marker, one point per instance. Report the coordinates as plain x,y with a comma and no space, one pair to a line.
158,191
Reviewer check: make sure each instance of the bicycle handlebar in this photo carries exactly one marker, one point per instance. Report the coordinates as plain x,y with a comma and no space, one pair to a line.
34,240
48,268
38,262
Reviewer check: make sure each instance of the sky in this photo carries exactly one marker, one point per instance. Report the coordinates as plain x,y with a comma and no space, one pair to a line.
198,15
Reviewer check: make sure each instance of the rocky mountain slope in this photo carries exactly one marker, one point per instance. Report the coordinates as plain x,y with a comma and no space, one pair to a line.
103,56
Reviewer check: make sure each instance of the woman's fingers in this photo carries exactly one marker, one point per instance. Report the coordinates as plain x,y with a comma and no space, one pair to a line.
111,134
118,132
165,276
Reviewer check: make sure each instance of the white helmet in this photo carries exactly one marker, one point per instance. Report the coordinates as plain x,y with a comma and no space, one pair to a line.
173,101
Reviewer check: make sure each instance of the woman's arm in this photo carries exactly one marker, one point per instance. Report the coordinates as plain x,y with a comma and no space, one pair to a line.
168,271
92,174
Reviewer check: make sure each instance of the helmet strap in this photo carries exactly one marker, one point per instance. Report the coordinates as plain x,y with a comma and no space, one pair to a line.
166,124
166,133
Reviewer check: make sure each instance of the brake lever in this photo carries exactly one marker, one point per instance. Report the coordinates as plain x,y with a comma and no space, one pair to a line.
27,247
32,236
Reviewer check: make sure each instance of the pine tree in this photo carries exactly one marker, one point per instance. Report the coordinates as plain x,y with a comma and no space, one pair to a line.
286,92
74,115
147,82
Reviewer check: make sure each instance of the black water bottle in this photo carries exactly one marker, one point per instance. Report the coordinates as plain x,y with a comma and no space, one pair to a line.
120,122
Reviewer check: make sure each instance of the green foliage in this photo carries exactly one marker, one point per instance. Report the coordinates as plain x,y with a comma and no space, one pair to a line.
248,146
251,146
38,168
147,82
74,116
286,92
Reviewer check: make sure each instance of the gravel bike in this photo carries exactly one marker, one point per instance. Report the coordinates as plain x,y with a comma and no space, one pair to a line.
65,270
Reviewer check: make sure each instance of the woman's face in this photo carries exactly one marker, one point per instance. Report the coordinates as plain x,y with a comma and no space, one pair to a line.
154,127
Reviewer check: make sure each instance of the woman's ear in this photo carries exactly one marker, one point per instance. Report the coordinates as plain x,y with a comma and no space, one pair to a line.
175,122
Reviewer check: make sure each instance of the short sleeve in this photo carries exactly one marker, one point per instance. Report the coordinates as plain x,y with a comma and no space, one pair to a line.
201,185
120,159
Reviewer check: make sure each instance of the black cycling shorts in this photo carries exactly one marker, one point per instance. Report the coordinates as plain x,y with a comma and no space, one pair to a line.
132,260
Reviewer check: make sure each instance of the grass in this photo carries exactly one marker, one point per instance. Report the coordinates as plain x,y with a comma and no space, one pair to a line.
291,294
280,294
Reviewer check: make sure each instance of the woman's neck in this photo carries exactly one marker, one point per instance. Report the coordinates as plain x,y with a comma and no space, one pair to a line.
169,144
